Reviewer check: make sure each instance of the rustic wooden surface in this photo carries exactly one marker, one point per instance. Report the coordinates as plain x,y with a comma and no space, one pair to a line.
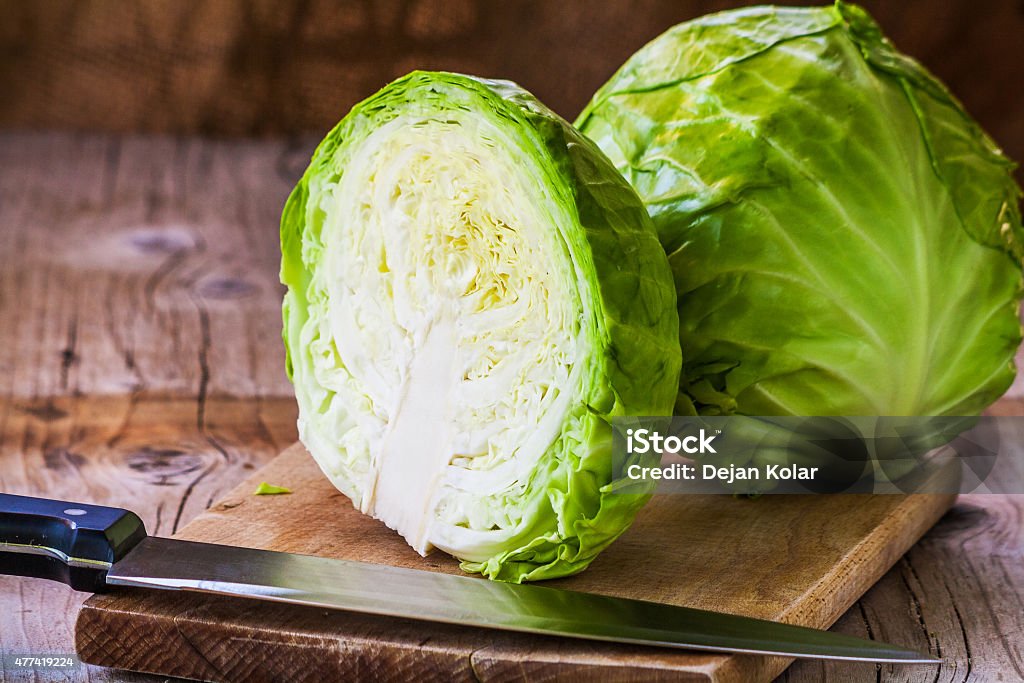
140,365
799,559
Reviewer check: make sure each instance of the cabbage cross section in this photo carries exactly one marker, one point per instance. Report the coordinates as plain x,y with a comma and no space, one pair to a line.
473,293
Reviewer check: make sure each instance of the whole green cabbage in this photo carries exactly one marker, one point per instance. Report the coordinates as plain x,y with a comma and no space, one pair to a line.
473,293
845,239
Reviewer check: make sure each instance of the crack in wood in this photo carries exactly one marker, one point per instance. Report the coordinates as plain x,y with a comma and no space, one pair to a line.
967,644
67,354
870,634
915,602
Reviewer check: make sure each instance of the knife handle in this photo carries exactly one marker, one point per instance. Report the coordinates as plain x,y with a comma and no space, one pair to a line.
68,542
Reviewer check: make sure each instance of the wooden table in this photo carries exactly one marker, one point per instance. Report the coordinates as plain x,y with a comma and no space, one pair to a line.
141,366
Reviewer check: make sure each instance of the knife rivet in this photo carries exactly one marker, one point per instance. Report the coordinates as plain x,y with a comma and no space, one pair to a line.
74,512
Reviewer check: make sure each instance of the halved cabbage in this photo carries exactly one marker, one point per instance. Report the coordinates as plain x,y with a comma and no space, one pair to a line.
473,292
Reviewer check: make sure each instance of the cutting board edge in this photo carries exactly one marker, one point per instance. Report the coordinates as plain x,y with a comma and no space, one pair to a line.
841,575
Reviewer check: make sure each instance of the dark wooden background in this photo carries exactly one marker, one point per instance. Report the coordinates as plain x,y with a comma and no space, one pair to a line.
268,67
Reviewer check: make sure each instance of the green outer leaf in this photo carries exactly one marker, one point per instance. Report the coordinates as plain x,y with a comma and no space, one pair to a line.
845,239
634,367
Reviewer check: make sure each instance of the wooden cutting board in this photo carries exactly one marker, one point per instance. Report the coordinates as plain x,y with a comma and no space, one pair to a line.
799,559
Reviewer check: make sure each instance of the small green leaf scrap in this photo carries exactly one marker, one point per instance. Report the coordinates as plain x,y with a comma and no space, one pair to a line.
265,489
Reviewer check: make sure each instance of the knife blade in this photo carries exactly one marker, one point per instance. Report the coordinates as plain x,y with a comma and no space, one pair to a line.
94,548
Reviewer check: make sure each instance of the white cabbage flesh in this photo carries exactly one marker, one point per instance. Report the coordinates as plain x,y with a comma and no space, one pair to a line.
449,341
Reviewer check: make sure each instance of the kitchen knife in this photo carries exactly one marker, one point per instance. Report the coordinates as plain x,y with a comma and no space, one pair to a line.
92,548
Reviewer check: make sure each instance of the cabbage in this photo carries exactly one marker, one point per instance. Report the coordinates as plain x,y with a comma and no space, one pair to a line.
473,293
845,239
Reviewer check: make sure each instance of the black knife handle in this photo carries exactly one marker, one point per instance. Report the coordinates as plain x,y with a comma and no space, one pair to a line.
68,542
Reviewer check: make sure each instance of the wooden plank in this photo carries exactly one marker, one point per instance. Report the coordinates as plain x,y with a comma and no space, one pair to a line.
154,271
140,352
146,454
798,559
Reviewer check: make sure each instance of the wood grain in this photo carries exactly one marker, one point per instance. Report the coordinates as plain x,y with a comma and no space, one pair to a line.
93,231
150,266
140,354
797,559
145,454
